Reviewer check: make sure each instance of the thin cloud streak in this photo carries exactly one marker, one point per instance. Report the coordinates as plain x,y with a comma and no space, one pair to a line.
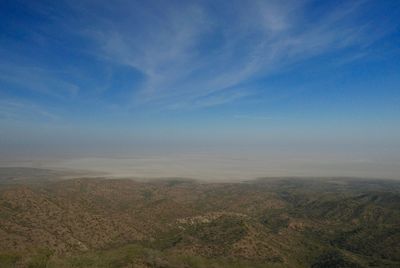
263,39
17,110
190,54
37,79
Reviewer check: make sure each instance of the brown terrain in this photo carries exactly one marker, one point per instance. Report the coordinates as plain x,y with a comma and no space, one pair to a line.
97,222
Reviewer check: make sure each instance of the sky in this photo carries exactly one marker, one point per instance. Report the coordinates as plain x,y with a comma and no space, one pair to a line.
316,80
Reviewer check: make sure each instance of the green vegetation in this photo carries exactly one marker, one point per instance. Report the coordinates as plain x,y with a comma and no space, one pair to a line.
332,259
8,259
264,223
40,259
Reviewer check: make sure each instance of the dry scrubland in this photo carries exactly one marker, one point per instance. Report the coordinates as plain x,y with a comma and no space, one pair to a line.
274,222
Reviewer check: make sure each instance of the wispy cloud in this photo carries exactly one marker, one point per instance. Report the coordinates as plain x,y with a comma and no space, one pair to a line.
170,44
21,110
36,79
210,100
194,54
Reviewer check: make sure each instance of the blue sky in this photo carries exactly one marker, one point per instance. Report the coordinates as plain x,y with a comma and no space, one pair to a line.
78,75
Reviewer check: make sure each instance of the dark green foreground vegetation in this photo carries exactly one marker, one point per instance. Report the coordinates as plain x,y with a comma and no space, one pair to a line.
179,223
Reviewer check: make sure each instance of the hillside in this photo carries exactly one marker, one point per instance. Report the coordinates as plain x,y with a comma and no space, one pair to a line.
274,222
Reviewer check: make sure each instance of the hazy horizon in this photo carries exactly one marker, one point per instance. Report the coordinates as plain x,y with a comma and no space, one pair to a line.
203,89
219,165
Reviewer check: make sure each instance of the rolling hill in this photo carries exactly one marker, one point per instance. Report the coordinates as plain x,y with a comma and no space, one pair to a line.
271,222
